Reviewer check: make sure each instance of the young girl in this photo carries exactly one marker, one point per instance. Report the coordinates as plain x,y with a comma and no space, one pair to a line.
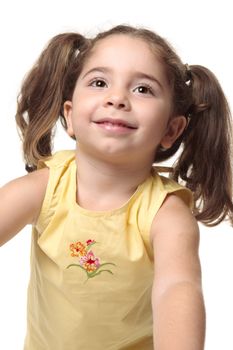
114,259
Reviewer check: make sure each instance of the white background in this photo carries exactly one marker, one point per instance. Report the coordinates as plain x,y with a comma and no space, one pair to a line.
201,33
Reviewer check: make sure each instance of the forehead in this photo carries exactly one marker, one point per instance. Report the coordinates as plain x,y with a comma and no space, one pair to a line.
124,52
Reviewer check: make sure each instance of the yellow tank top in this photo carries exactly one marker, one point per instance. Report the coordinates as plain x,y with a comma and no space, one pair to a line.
92,271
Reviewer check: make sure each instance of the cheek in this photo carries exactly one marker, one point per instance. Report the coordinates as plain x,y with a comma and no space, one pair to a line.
157,117
85,103
80,116
156,129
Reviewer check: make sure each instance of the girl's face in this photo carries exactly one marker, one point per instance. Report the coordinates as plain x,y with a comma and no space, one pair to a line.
121,106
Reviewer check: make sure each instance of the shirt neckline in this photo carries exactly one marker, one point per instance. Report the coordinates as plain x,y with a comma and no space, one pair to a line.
105,213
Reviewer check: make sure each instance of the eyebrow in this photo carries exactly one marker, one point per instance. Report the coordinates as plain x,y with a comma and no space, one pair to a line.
140,75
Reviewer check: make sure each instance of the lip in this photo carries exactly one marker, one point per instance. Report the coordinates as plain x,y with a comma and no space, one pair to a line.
116,122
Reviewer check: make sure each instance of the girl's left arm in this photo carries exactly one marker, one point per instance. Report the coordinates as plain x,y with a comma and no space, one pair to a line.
177,299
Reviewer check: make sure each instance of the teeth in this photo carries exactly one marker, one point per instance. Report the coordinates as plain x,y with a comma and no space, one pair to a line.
115,124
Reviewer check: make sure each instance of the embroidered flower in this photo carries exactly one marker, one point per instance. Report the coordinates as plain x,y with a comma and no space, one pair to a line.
90,241
90,262
78,249
87,261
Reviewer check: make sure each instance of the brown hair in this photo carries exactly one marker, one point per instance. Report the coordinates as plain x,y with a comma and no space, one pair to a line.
204,164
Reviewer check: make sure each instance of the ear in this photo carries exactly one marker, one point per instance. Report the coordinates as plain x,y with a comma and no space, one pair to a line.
174,129
67,111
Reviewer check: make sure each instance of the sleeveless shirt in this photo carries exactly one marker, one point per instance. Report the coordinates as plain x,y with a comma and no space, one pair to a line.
92,271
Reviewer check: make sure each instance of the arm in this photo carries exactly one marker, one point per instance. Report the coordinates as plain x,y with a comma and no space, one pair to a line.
20,202
177,300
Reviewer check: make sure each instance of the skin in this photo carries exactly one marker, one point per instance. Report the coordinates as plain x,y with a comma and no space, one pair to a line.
110,86
121,162
114,84
120,159
20,203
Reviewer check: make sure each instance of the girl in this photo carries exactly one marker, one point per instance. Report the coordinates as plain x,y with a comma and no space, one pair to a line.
114,260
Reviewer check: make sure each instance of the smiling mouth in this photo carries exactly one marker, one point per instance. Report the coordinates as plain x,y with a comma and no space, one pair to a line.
115,124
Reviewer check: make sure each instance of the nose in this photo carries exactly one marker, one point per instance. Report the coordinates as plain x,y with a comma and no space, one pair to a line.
118,100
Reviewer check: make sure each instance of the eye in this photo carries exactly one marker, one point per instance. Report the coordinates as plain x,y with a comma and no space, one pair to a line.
144,89
99,83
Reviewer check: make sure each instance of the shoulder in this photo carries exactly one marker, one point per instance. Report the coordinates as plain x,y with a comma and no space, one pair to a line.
171,186
28,192
174,221
174,215
59,159
35,181
175,237
20,202
38,181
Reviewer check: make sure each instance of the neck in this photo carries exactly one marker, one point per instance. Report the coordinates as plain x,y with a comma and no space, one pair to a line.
104,185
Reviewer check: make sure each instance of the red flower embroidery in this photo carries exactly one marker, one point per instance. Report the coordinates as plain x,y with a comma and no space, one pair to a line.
87,260
90,241
90,262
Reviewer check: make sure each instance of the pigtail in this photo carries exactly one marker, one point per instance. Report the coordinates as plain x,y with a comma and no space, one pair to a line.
42,95
205,163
